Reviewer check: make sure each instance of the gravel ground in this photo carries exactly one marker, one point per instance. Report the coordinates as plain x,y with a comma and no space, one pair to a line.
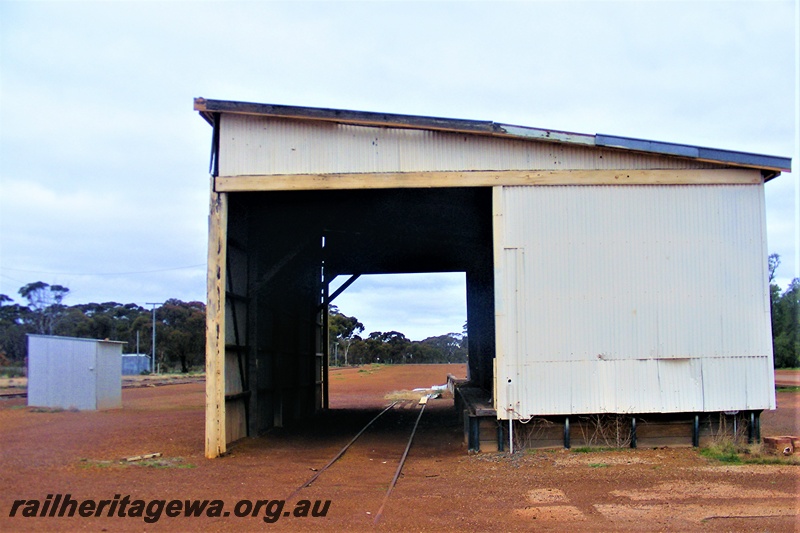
441,488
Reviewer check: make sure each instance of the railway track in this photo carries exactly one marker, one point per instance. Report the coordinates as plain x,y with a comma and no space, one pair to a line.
397,405
135,384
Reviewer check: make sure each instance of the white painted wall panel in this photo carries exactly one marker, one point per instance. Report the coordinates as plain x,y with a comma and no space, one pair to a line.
680,385
253,145
109,375
633,275
66,373
606,386
760,370
747,375
635,393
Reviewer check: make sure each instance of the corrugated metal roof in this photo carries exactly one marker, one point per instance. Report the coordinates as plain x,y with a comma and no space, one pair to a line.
696,152
78,339
770,165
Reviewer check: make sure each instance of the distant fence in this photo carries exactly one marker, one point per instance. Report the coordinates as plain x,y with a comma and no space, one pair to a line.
134,364
14,371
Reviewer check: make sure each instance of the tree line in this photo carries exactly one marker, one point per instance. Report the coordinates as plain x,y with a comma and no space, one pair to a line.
180,330
180,326
785,307
347,347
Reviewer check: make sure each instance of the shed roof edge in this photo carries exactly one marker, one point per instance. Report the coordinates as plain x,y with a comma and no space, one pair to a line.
770,163
82,339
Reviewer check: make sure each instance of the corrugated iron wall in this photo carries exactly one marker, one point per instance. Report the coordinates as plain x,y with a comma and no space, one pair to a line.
626,299
262,145
631,299
68,372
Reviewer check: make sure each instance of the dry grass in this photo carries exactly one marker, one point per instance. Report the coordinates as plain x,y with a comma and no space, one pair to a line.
528,434
416,395
728,444
610,430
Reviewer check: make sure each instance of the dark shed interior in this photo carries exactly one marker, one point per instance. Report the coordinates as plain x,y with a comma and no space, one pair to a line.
285,248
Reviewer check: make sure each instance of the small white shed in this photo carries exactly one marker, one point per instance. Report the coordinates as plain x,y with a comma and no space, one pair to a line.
134,364
72,373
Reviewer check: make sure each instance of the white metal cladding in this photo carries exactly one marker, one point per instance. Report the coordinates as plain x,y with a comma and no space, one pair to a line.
251,145
631,299
108,370
66,372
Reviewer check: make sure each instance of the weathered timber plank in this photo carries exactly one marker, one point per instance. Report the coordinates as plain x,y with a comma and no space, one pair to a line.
215,444
399,180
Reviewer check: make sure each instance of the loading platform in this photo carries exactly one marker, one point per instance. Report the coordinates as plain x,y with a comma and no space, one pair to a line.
482,430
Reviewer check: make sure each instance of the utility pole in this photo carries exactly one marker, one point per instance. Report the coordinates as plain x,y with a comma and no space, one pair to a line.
153,355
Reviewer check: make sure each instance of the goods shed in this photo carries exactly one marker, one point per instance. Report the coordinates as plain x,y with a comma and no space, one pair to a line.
605,275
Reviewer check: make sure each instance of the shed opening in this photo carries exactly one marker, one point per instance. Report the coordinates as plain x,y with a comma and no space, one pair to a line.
414,319
283,250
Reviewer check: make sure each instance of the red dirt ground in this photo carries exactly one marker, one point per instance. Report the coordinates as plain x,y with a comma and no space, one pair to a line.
442,488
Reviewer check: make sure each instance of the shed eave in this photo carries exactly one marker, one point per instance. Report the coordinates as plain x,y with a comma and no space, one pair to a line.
81,339
773,164
343,116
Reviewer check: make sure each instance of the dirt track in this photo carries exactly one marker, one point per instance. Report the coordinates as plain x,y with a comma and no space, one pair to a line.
787,378
442,488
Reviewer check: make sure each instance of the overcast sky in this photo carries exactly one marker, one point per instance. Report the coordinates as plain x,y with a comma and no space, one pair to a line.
104,165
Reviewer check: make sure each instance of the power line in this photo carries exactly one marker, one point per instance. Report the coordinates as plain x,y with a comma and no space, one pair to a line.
101,273
12,279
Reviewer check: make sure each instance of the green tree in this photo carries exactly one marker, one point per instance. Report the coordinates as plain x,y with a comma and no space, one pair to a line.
107,320
342,332
181,325
44,302
182,335
785,308
14,325
390,347
786,327
449,348
393,347
75,323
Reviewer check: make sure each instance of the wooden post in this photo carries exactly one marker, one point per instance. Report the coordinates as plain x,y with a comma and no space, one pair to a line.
215,326
326,347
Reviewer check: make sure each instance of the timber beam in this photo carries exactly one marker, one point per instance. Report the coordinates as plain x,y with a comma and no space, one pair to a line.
483,178
215,327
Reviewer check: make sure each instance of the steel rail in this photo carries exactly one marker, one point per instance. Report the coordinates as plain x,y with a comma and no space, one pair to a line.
338,455
399,467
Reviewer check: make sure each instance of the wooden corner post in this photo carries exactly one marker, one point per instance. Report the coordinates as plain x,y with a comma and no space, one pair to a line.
215,326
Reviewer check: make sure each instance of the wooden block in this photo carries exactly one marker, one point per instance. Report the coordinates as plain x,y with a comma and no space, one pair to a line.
142,457
779,445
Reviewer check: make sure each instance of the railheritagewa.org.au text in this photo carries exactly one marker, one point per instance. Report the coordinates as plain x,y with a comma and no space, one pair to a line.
151,511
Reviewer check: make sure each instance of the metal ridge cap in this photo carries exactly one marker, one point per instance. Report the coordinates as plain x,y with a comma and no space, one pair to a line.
208,106
696,152
345,116
543,134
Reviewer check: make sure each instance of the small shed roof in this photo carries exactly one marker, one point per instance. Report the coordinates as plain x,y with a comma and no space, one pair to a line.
78,339
771,166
